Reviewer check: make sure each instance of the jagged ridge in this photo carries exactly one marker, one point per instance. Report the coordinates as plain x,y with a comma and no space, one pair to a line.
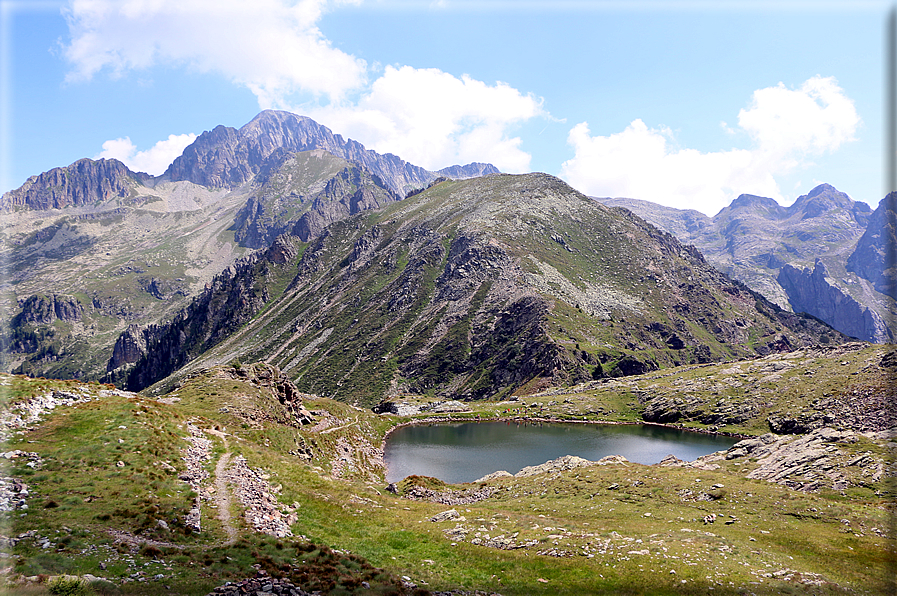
82,183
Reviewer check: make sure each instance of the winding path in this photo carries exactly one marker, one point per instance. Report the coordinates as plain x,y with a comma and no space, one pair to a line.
330,430
222,493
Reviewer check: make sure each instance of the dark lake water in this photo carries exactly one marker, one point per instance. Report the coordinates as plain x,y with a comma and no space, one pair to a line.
468,451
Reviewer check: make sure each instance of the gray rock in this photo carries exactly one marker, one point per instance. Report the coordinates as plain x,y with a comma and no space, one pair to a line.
451,514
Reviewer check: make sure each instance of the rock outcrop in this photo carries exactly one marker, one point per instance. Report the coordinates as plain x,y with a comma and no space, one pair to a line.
874,258
129,348
812,461
269,377
814,294
83,183
43,310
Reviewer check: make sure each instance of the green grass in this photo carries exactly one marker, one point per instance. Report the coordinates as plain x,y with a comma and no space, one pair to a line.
779,537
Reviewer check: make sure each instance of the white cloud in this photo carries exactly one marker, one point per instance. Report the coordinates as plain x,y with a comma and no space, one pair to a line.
152,161
434,119
272,47
815,119
786,128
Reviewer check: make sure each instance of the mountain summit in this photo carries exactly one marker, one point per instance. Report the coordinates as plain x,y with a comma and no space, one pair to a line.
227,158
473,288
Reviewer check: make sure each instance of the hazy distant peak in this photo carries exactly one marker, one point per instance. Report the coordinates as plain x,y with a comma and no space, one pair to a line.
747,201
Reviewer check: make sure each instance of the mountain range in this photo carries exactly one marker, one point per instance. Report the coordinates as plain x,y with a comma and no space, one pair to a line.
130,248
825,254
361,275
284,299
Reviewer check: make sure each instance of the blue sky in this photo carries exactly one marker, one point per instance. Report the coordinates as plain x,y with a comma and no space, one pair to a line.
685,104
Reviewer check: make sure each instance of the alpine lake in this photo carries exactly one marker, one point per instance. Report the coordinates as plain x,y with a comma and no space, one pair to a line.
465,452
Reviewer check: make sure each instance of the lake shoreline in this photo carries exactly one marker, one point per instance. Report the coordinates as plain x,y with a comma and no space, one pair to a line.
448,419
445,419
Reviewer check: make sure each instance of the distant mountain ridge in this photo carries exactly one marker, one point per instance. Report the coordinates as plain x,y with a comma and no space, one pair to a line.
824,254
224,158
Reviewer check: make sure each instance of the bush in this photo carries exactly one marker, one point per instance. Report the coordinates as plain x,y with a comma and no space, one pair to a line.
68,586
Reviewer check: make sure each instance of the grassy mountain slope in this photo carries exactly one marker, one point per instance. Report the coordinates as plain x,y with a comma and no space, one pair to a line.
492,286
95,506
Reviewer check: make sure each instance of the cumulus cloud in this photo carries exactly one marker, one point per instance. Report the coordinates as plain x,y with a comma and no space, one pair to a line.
273,47
435,119
817,118
152,161
786,127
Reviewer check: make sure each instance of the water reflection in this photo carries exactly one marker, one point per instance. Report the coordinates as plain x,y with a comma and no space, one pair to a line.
467,451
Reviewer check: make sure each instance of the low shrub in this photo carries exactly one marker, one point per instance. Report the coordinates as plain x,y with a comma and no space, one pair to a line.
69,586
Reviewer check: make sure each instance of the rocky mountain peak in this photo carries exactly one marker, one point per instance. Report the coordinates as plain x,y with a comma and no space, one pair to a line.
822,200
754,202
229,158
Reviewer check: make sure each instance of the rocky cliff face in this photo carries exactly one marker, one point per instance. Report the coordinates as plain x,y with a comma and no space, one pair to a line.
874,258
46,309
812,291
33,334
83,183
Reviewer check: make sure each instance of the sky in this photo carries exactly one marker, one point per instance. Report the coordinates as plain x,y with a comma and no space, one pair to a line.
687,104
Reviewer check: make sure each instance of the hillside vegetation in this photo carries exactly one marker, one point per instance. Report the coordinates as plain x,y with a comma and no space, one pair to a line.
237,469
481,288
